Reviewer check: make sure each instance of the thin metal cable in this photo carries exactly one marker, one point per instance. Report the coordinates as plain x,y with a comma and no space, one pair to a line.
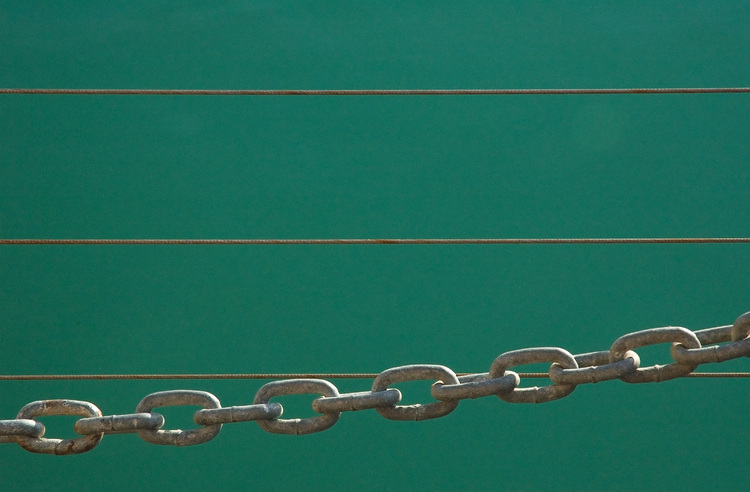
410,92
375,92
642,240
78,377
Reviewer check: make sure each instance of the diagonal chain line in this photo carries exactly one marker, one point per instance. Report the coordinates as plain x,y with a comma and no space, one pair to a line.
689,349
641,240
322,375
373,92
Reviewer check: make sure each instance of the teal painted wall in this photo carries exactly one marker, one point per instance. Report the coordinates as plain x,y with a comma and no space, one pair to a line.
248,167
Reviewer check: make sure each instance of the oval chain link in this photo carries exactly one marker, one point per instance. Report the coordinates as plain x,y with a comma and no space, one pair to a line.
415,372
59,446
654,336
738,334
297,387
532,356
178,437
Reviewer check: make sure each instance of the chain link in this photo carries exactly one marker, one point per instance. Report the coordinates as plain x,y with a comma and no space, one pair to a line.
20,427
119,424
656,373
415,372
594,367
476,386
530,356
297,387
179,437
59,446
688,351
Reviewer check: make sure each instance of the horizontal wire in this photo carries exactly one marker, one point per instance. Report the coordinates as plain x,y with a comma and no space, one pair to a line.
642,240
374,92
407,92
76,377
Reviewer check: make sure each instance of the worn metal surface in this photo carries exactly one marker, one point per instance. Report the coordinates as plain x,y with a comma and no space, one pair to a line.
362,400
9,429
119,424
415,372
741,327
243,413
594,367
531,356
59,446
566,371
476,387
297,387
654,336
178,437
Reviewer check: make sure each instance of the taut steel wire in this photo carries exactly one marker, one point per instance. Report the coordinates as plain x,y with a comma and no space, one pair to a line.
374,92
689,349
641,240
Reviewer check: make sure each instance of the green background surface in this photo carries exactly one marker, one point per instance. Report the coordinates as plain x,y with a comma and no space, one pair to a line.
351,167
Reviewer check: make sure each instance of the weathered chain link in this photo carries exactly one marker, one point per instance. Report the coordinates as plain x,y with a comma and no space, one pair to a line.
175,398
688,351
297,387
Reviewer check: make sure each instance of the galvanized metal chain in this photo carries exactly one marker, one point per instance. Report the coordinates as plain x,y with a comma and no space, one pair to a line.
689,350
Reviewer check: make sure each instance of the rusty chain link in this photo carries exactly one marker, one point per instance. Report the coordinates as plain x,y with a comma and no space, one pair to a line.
688,351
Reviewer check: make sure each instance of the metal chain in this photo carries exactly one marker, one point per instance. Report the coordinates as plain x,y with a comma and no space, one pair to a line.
689,350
